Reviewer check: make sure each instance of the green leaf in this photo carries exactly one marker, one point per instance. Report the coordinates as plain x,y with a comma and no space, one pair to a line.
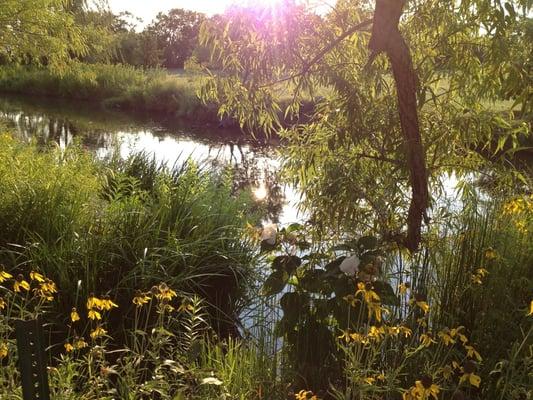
367,242
342,286
275,283
315,281
283,327
333,266
294,305
286,263
295,227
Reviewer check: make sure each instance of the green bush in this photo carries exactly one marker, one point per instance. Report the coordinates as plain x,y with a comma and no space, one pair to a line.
119,226
117,86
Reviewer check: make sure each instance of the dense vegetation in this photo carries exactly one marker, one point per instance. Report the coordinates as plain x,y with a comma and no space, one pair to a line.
103,227
113,86
145,274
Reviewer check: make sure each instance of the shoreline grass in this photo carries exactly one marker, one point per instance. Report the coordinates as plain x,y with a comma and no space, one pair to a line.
114,87
112,227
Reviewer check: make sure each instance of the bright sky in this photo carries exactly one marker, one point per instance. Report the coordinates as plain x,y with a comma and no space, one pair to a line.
148,9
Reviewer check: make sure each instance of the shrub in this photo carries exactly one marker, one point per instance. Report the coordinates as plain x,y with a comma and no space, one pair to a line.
111,227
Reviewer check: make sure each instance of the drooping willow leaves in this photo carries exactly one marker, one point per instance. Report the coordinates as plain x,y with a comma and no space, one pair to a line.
346,145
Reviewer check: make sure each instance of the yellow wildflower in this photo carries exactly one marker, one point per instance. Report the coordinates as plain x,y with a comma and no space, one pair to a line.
46,289
426,339
376,333
366,289
20,284
370,380
446,337
403,288
68,347
482,272
107,304
140,298
48,286
98,332
4,276
393,330
374,309
406,331
94,315
358,338
469,374
420,300
473,379
2,303
165,293
530,308
79,343
491,254
305,395
3,350
94,302
74,316
424,306
457,332
35,276
345,336
472,353
425,388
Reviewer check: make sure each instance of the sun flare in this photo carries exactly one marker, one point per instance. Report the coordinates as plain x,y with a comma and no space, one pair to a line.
256,3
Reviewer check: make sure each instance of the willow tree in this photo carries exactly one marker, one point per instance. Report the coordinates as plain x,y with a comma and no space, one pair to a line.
39,31
402,93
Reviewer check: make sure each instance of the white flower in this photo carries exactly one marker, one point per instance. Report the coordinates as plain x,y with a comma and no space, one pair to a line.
269,234
350,265
211,380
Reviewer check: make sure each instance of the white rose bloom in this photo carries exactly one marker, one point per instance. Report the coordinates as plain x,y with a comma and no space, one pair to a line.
269,234
350,265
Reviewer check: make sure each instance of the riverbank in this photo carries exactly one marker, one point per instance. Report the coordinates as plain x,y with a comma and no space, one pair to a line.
114,226
114,87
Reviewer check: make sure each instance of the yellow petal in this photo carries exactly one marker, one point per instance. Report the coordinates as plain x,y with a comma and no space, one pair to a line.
474,380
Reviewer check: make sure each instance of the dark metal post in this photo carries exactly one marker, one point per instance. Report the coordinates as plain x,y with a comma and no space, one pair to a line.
32,361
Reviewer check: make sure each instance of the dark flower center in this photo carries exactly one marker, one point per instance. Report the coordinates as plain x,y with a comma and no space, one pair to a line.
427,381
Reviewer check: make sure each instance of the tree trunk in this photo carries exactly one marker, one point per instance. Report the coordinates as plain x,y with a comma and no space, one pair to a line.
387,38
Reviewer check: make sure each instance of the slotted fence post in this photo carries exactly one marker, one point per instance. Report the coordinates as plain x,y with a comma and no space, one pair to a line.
32,361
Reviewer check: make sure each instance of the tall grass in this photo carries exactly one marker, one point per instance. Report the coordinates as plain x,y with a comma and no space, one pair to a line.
114,86
117,226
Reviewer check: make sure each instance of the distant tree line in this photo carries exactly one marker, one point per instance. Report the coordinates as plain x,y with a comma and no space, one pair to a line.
51,32
168,41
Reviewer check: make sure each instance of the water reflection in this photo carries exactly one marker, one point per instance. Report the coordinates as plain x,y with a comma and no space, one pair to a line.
168,140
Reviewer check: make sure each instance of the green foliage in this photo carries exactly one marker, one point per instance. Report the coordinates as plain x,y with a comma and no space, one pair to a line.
177,35
348,158
123,225
40,31
114,86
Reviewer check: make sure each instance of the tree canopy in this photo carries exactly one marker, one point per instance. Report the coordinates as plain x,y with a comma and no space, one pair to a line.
177,35
471,62
40,31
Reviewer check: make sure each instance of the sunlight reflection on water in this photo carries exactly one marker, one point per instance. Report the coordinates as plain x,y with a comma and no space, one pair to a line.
106,133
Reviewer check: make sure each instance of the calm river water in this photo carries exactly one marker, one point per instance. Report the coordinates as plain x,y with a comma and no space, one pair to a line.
168,140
